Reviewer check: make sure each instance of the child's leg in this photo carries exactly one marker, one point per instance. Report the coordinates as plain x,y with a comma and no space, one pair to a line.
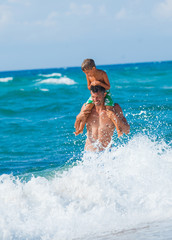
82,117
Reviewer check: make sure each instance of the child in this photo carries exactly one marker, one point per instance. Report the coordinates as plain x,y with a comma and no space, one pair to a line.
94,77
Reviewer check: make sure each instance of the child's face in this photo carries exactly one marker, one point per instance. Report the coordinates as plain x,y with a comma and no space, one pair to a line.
89,72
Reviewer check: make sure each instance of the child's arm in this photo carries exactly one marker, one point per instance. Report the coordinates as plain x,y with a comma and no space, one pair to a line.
106,80
105,83
88,82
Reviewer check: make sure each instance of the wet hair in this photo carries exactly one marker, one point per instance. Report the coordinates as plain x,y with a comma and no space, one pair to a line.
97,88
88,64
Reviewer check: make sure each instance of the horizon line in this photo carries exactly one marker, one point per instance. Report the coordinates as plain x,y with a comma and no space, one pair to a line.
128,63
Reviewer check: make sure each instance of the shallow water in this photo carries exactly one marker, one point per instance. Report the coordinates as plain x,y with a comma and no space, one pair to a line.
51,189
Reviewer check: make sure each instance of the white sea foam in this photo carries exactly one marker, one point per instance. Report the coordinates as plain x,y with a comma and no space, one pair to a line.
107,192
63,80
44,89
139,113
51,75
7,79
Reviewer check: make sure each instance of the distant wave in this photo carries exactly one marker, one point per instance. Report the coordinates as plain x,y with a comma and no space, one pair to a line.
7,79
62,80
167,87
51,75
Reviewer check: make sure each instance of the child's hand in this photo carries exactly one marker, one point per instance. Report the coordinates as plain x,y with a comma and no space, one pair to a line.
93,83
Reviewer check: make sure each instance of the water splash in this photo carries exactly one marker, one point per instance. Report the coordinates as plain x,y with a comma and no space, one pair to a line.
110,191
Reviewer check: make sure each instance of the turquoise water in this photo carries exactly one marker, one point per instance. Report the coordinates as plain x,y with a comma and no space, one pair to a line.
40,155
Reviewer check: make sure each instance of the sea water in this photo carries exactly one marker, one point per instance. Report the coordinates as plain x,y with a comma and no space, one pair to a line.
50,189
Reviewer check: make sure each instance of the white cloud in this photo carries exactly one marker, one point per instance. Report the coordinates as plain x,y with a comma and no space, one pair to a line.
102,10
76,9
122,14
14,1
164,9
5,15
25,2
51,20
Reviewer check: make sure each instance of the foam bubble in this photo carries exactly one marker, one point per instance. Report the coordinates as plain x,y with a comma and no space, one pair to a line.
62,80
7,79
104,192
51,75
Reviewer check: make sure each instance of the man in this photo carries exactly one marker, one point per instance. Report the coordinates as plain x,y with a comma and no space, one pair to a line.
101,123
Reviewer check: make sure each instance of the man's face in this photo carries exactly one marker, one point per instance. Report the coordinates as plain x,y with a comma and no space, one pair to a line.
98,98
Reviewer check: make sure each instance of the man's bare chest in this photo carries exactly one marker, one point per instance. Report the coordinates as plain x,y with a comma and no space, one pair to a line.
99,122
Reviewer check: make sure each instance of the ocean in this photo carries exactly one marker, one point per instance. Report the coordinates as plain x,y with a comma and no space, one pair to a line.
50,189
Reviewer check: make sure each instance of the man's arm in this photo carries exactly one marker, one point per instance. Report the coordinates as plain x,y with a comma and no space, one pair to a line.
117,117
82,117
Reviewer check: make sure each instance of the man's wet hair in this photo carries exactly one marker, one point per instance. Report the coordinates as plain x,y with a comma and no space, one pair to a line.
88,64
97,88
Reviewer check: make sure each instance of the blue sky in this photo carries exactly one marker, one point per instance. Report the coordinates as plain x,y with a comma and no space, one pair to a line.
46,34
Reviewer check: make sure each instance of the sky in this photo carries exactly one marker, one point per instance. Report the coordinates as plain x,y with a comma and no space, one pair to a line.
38,34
